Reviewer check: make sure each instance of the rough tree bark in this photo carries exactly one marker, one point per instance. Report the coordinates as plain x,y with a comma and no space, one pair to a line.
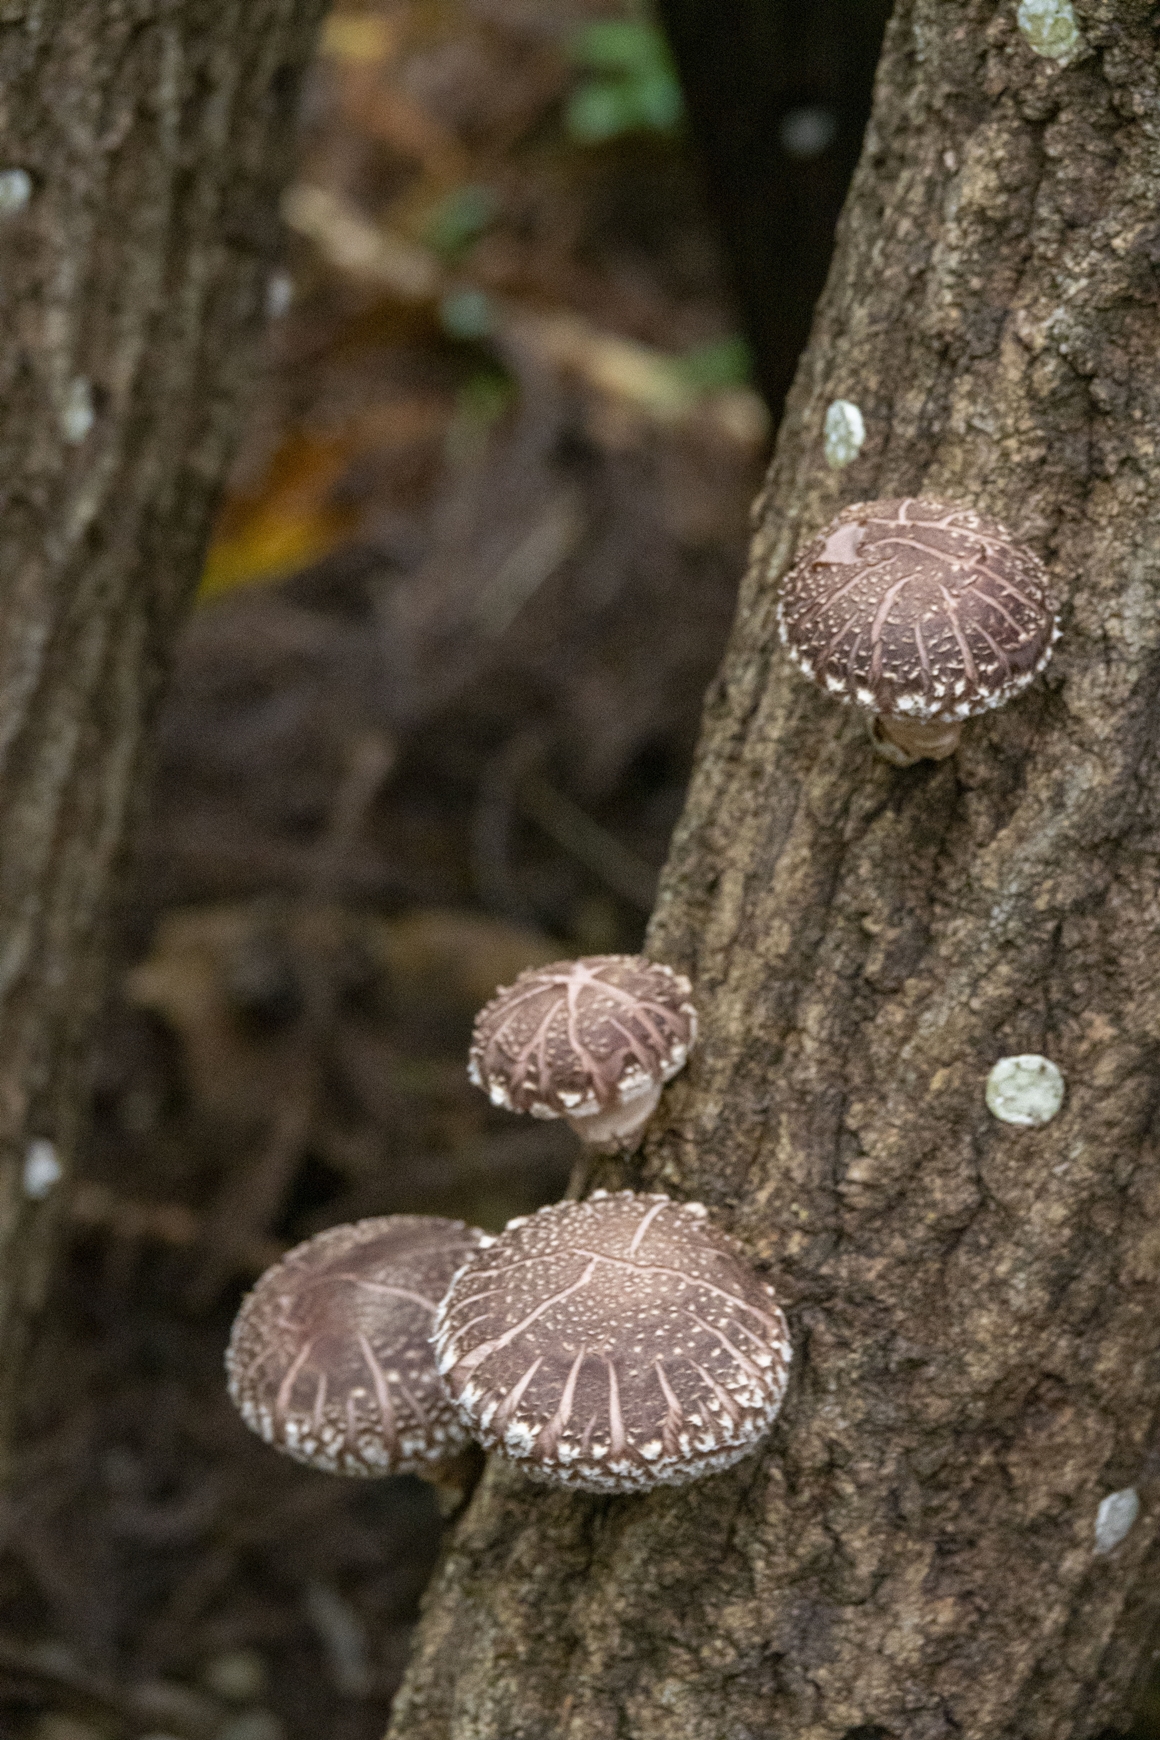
974,1307
142,145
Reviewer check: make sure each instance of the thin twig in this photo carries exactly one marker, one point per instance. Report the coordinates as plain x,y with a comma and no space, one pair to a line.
575,832
154,1705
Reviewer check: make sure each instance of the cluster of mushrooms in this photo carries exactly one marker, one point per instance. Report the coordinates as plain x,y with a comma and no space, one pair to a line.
623,1342
614,1344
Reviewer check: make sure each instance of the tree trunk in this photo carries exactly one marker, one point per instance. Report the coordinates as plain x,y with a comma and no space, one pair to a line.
141,150
974,1306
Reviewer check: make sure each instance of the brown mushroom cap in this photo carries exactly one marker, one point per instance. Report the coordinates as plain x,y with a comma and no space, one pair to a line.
614,1344
918,609
581,1038
330,1358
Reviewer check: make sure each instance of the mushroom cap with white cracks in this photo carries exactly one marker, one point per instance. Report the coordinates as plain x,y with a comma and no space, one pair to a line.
614,1344
918,610
330,1357
591,1040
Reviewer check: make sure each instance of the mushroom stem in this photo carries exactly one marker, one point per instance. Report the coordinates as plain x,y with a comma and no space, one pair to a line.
618,1129
905,741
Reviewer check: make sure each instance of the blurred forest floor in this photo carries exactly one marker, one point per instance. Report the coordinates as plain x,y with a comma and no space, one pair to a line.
431,722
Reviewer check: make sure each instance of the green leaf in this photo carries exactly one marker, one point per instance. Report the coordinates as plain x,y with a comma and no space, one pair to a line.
460,219
619,45
659,102
466,314
600,110
635,88
485,397
723,362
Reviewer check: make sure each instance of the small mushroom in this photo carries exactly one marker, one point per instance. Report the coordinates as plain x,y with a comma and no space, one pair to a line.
592,1040
330,1358
922,613
614,1344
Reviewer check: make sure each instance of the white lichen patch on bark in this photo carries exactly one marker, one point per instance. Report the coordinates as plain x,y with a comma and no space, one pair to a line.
1117,1512
15,191
1051,29
845,432
77,413
42,1168
279,295
1026,1091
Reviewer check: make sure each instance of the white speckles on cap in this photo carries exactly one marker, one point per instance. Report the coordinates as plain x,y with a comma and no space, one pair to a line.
15,191
1050,27
1117,1512
591,1040
42,1168
614,1345
844,434
330,1358
77,414
1026,1091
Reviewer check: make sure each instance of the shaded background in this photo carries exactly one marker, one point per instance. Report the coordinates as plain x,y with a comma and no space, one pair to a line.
430,723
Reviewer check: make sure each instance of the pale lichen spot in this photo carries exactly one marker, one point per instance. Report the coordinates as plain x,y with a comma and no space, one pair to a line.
279,295
77,414
42,1168
15,191
1116,1515
844,433
807,131
1050,27
1026,1091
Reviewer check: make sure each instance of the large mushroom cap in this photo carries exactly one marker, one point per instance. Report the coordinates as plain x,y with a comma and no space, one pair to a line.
614,1344
580,1038
330,1358
919,610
